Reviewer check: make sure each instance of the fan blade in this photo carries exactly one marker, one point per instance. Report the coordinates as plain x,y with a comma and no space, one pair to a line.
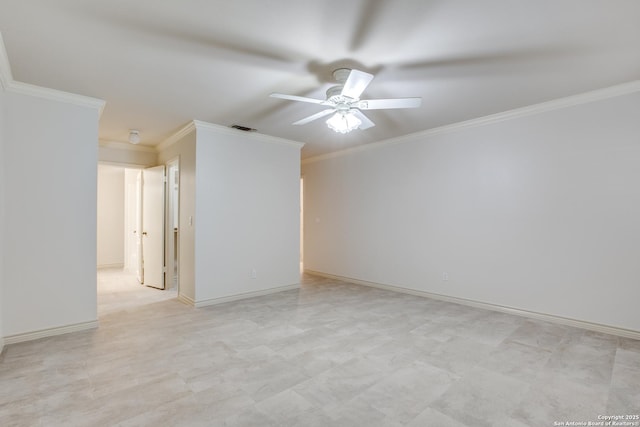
356,83
297,98
315,116
383,104
367,23
366,123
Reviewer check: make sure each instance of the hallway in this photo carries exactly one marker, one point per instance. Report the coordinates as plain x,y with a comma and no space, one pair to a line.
119,290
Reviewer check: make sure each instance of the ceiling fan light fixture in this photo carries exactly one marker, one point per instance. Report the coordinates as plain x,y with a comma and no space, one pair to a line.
343,102
343,122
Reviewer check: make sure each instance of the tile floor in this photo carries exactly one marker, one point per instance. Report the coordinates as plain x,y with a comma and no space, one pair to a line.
329,354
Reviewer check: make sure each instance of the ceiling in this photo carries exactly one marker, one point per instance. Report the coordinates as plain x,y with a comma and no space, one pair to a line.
160,64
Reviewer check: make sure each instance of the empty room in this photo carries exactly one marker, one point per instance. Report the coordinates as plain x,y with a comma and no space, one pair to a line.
320,213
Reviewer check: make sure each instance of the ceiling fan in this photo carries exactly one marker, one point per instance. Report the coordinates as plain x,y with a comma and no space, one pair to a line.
344,103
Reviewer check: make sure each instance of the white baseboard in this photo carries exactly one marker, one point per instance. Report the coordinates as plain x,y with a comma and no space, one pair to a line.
43,333
606,329
186,300
236,297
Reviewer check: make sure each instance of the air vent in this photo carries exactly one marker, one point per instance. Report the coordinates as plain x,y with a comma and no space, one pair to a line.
243,128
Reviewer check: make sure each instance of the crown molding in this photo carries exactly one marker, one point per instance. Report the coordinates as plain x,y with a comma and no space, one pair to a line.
184,131
10,85
56,95
249,135
569,101
118,145
196,125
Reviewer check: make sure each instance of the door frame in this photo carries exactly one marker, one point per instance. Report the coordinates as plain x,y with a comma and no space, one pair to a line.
302,223
172,246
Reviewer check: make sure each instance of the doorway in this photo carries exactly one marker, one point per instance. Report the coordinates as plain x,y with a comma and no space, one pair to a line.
127,240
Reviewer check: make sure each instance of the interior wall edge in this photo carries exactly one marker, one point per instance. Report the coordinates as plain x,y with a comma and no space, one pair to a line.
186,300
576,323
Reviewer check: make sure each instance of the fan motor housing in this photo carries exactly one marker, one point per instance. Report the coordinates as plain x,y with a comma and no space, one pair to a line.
334,93
341,74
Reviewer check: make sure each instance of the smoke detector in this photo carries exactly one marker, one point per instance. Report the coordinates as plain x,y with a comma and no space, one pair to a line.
134,136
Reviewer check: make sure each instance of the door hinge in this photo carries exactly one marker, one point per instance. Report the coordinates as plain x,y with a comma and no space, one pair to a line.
164,269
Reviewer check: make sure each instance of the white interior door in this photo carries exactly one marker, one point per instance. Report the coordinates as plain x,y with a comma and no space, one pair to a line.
153,226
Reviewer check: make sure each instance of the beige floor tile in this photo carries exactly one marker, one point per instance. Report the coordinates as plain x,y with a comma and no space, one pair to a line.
328,354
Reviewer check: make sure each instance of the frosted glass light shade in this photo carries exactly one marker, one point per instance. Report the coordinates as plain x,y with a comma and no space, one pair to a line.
343,122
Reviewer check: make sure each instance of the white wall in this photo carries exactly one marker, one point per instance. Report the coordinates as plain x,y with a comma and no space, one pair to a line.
126,154
247,211
539,213
110,237
185,149
2,209
50,159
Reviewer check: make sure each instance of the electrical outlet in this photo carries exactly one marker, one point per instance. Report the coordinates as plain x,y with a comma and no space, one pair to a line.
445,277
254,273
